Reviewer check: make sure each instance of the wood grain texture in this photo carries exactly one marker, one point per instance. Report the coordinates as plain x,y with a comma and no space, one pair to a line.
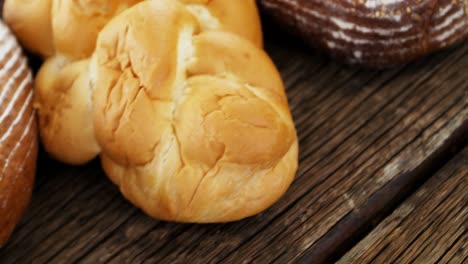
368,138
374,32
18,133
429,227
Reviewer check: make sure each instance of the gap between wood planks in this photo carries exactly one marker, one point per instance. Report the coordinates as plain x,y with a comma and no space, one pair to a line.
297,200
394,197
429,227
167,250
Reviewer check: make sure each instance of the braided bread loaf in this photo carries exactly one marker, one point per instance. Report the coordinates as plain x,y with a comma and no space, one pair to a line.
218,142
18,133
190,120
62,92
374,32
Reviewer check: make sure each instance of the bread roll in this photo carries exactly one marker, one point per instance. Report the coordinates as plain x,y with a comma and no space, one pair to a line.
31,23
63,97
70,27
194,125
18,134
76,24
190,119
374,32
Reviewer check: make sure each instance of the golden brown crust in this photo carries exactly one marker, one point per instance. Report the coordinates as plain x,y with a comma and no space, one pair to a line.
75,25
18,134
228,12
192,122
31,23
194,125
67,27
63,99
70,27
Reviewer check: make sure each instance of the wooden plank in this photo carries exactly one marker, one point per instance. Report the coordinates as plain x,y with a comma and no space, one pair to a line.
368,138
429,227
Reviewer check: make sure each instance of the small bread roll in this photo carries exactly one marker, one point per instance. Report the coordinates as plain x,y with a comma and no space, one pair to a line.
18,134
194,125
63,99
31,22
67,27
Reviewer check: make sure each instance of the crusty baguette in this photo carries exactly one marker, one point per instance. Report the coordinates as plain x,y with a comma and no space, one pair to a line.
374,32
18,133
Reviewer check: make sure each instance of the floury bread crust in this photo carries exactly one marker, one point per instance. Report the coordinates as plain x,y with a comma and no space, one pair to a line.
18,134
374,32
70,29
194,125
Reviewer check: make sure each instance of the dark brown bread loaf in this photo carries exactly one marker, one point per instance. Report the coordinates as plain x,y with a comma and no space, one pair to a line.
374,32
18,133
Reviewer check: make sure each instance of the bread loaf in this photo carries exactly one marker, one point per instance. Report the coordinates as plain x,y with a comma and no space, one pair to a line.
18,134
374,32
194,125
62,96
188,115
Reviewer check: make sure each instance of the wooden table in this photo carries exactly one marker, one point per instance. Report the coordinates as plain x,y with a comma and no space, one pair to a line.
382,177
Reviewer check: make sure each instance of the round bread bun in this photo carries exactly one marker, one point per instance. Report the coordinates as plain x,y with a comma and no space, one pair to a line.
18,133
63,99
194,125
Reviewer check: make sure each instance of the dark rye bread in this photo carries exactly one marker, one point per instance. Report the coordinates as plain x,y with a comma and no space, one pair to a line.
374,32
18,133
